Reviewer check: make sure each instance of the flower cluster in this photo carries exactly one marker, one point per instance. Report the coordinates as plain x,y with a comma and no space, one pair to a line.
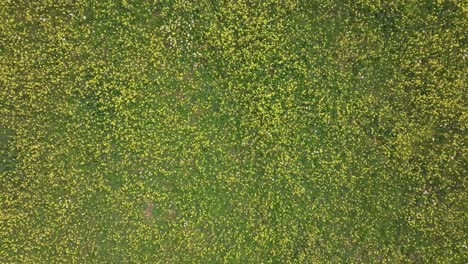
245,131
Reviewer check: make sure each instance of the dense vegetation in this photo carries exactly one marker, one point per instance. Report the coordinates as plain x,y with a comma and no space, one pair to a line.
233,131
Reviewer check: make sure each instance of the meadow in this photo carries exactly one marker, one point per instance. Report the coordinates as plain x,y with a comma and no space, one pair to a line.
291,131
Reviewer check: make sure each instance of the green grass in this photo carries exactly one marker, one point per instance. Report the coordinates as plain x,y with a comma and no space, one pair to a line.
233,132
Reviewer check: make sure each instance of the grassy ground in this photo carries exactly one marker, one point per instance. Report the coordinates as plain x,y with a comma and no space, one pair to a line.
233,131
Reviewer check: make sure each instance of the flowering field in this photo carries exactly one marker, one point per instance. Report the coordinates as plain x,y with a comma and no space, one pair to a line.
306,131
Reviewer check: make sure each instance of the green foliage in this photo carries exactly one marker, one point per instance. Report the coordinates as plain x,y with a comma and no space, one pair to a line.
233,131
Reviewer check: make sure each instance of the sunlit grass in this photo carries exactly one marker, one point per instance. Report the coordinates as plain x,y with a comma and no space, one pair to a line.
237,132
